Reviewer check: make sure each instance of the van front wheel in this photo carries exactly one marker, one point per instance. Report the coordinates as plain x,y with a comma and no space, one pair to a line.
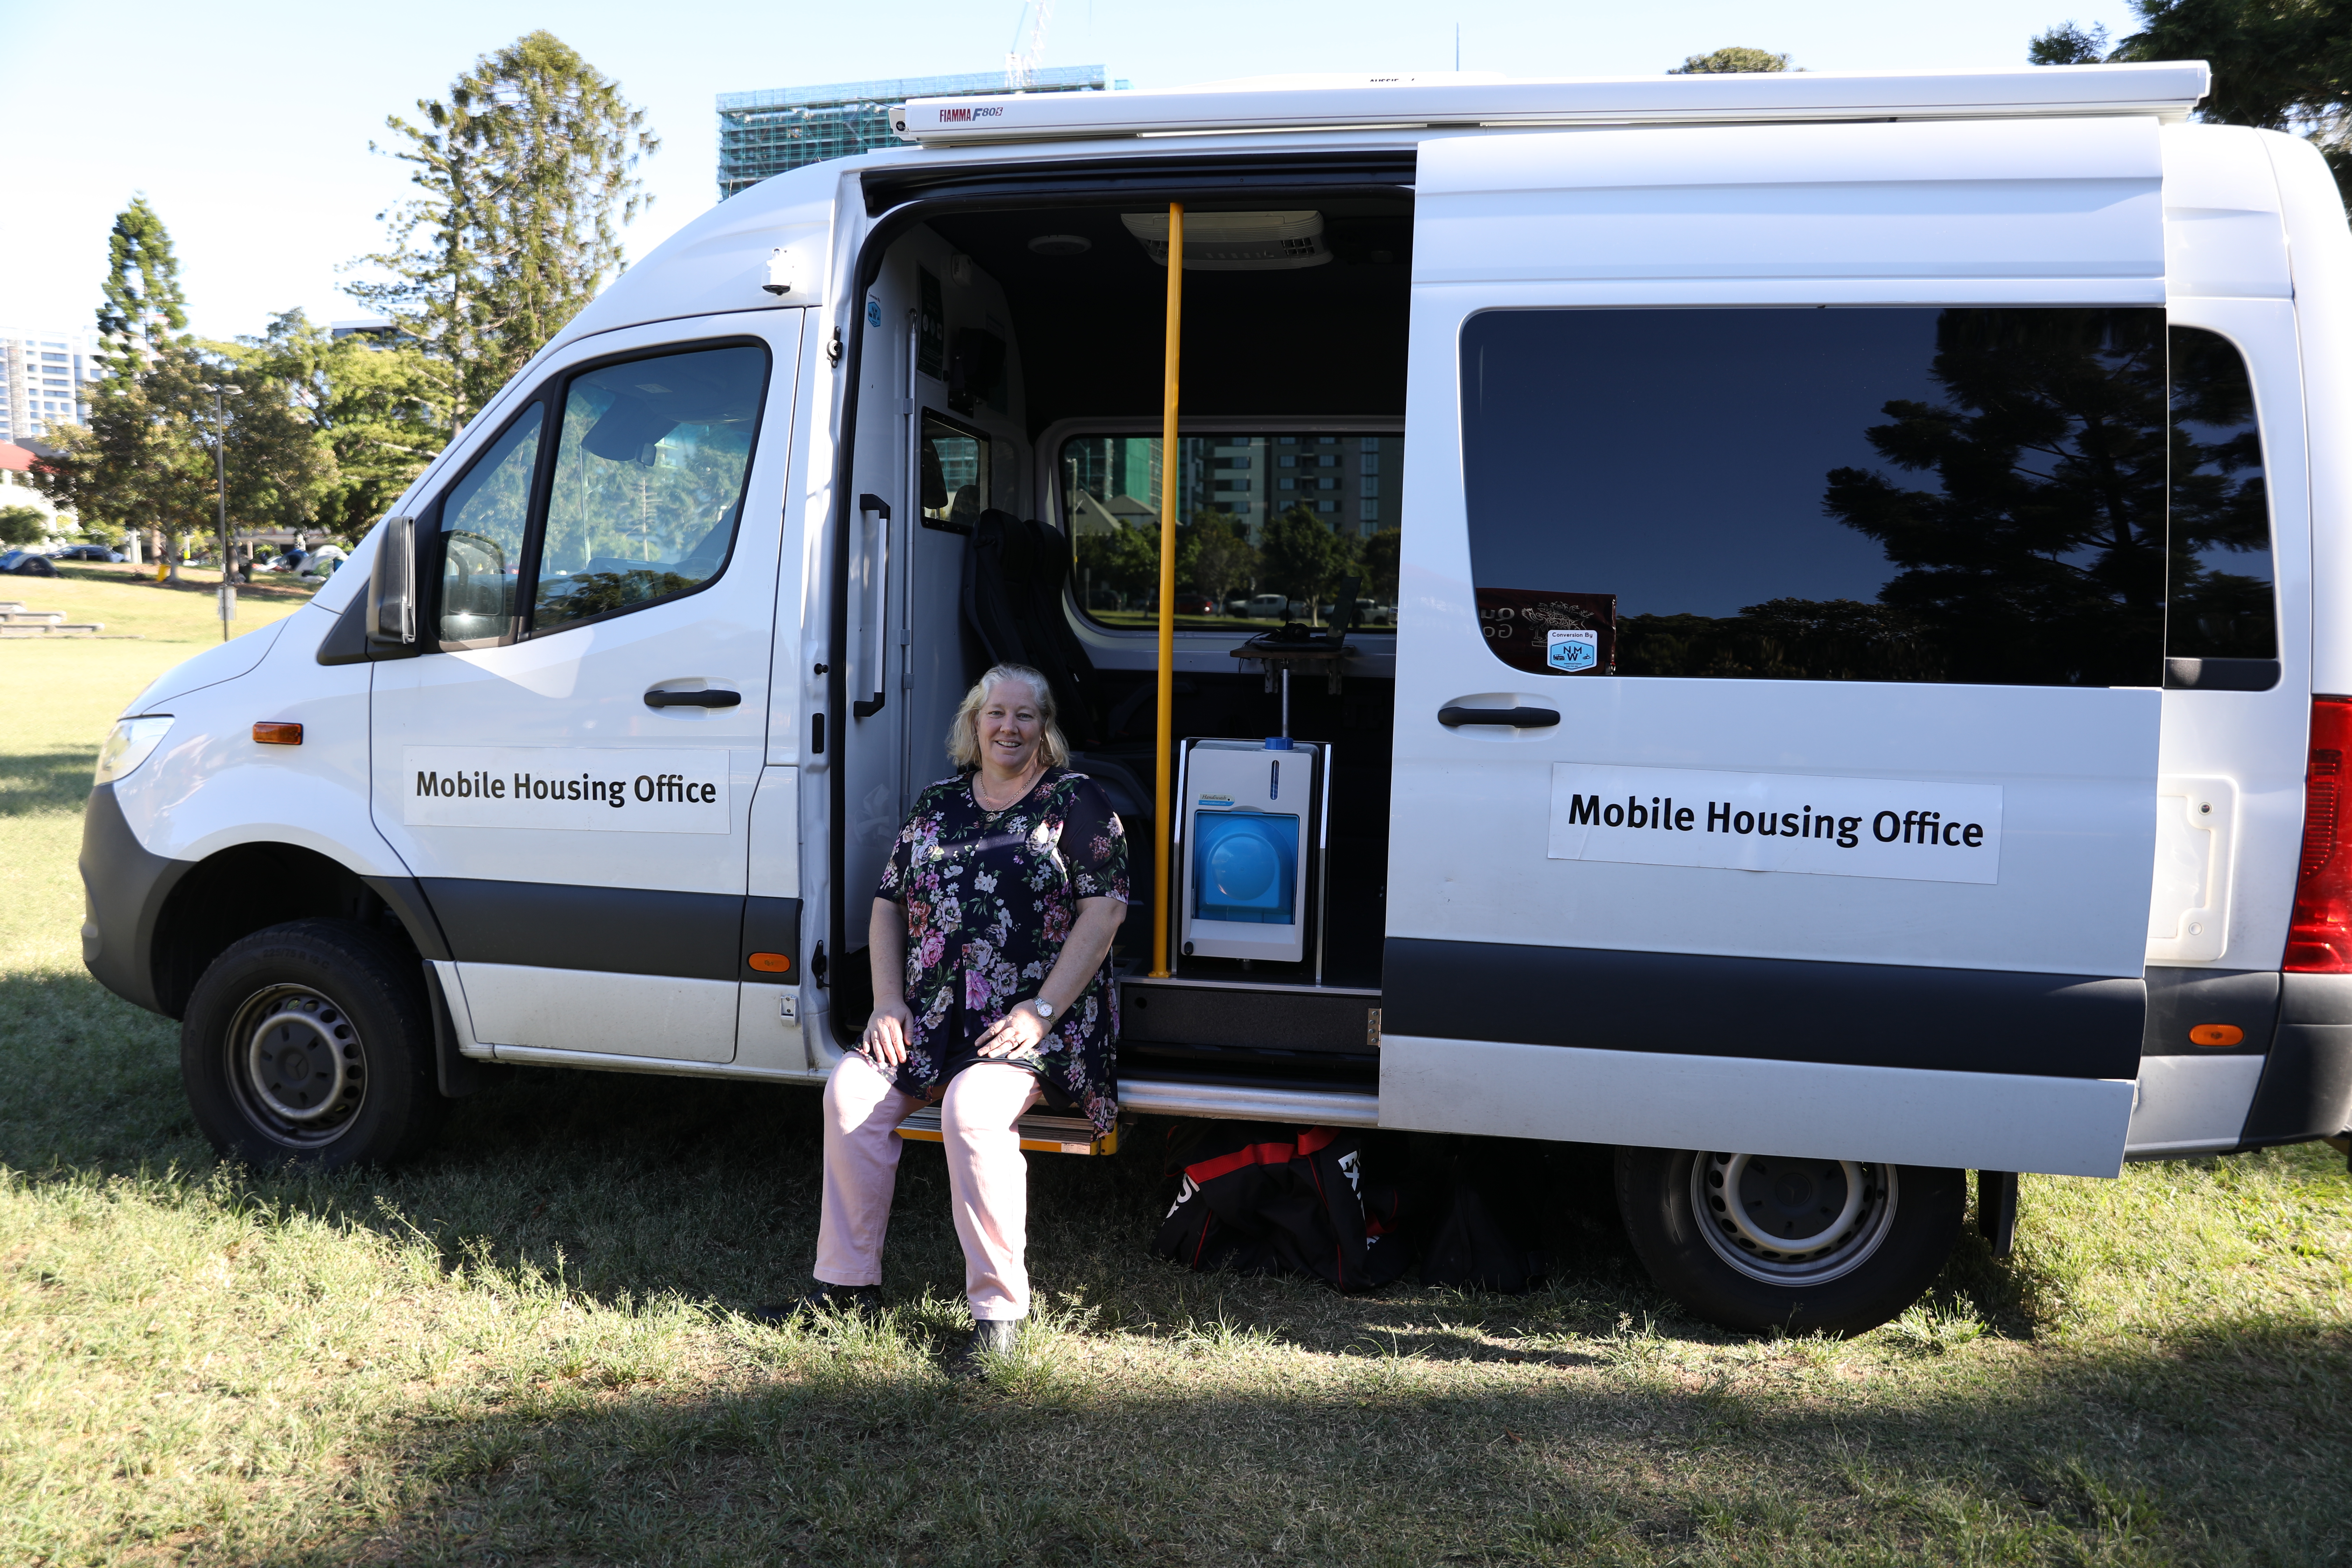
311,1041
1756,1242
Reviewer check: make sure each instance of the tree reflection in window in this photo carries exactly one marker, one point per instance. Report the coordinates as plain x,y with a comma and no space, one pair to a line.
2009,469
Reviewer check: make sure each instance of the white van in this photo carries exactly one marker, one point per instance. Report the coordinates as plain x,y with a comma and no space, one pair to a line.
1866,699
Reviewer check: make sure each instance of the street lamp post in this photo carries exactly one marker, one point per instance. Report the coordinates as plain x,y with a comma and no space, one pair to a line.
220,390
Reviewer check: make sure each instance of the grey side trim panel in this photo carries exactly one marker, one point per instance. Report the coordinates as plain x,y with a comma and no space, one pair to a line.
2306,1087
618,930
124,891
772,925
2180,999
1283,1021
1858,1014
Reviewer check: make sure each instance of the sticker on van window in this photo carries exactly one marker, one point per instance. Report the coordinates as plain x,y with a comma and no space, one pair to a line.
1522,627
600,790
1906,829
1572,650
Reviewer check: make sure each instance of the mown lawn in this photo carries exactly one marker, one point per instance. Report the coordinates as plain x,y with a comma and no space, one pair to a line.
522,1349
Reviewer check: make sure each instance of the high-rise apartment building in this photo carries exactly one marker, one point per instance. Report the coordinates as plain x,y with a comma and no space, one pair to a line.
46,381
764,133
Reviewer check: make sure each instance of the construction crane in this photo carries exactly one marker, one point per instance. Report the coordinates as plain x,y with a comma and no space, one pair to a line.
1020,59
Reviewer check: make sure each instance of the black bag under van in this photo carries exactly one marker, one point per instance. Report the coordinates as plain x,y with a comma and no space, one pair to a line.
1257,1198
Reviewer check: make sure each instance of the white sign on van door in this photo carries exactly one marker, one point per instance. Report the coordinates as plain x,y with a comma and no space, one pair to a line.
1900,828
599,789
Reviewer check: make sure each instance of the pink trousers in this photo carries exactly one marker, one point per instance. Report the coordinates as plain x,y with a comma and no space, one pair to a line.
988,1178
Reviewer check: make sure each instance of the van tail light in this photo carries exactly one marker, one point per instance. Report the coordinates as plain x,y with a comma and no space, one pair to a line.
2319,933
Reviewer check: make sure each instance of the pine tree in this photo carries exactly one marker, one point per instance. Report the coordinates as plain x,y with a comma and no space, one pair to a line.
145,316
528,170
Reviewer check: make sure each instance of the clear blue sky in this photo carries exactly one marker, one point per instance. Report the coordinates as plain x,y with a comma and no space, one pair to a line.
248,124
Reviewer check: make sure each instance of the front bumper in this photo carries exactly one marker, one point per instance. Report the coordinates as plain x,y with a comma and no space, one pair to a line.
124,889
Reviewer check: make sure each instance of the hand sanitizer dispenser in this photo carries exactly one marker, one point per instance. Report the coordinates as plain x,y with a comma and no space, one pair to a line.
1251,823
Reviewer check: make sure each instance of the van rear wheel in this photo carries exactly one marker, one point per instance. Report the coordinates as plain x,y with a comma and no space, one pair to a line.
313,1041
1755,1242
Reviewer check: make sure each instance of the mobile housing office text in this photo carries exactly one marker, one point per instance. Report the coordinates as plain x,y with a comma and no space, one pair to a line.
1843,583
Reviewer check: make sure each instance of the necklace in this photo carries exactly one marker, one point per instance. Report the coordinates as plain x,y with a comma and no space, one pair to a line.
1020,792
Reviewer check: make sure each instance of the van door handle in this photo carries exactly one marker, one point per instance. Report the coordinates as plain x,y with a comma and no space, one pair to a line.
1516,718
660,699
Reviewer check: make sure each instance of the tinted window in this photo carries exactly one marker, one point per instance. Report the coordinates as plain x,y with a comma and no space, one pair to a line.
2222,604
1269,527
955,475
482,522
648,481
1970,495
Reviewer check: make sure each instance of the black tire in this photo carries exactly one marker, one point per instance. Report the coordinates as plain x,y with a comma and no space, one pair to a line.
313,1041
1883,1233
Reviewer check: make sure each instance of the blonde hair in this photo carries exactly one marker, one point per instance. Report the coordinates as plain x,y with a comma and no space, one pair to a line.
964,733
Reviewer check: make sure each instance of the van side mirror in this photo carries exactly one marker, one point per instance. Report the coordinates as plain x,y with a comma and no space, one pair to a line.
392,586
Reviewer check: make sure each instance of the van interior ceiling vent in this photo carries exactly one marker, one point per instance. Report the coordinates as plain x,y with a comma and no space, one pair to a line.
1236,242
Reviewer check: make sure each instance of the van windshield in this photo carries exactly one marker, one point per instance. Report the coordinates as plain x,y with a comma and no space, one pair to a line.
1268,526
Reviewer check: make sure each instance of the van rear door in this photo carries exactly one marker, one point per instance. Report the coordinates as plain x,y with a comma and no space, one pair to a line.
1779,673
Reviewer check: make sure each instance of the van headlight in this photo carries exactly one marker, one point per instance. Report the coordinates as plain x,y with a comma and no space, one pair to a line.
129,744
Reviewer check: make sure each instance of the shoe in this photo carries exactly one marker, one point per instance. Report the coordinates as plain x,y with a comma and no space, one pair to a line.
858,1300
989,1337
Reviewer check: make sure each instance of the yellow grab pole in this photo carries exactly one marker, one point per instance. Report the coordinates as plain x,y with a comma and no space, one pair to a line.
1163,807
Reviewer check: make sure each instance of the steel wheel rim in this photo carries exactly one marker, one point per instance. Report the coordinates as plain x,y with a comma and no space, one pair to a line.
1791,1222
297,1065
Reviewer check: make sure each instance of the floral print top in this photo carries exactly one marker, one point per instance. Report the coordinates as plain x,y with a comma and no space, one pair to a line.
990,896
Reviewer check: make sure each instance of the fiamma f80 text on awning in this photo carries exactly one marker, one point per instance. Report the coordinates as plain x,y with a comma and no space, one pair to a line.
2165,90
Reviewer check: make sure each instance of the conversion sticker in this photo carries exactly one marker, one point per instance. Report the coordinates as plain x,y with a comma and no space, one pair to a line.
1572,650
1901,829
572,788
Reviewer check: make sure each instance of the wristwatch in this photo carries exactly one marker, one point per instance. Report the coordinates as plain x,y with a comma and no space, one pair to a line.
1044,1008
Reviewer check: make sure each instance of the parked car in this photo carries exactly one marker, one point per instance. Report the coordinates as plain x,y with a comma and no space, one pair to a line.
1195,604
27,563
1267,607
88,553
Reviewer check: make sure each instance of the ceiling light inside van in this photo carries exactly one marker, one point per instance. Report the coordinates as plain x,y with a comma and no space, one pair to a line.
1061,245
1236,242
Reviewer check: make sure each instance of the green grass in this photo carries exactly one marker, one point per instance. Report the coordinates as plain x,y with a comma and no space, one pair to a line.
523,1349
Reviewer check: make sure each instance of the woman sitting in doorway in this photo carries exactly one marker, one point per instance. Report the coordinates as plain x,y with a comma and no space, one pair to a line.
990,941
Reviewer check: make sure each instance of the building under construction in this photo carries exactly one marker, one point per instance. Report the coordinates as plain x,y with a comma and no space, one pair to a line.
764,133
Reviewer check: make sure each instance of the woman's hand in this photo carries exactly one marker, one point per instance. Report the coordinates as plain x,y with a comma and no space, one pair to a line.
885,1041
1015,1033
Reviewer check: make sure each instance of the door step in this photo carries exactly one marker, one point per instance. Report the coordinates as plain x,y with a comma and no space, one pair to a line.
1040,1134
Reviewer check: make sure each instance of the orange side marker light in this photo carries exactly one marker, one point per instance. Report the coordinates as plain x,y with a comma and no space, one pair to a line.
272,733
771,962
2216,1035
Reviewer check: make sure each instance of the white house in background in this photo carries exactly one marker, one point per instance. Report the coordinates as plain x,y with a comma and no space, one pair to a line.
45,378
17,488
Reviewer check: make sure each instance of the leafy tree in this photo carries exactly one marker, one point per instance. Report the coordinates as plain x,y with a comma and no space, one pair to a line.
145,316
1380,556
371,405
1215,554
2281,64
527,170
1304,558
142,463
1731,61
1124,560
22,525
